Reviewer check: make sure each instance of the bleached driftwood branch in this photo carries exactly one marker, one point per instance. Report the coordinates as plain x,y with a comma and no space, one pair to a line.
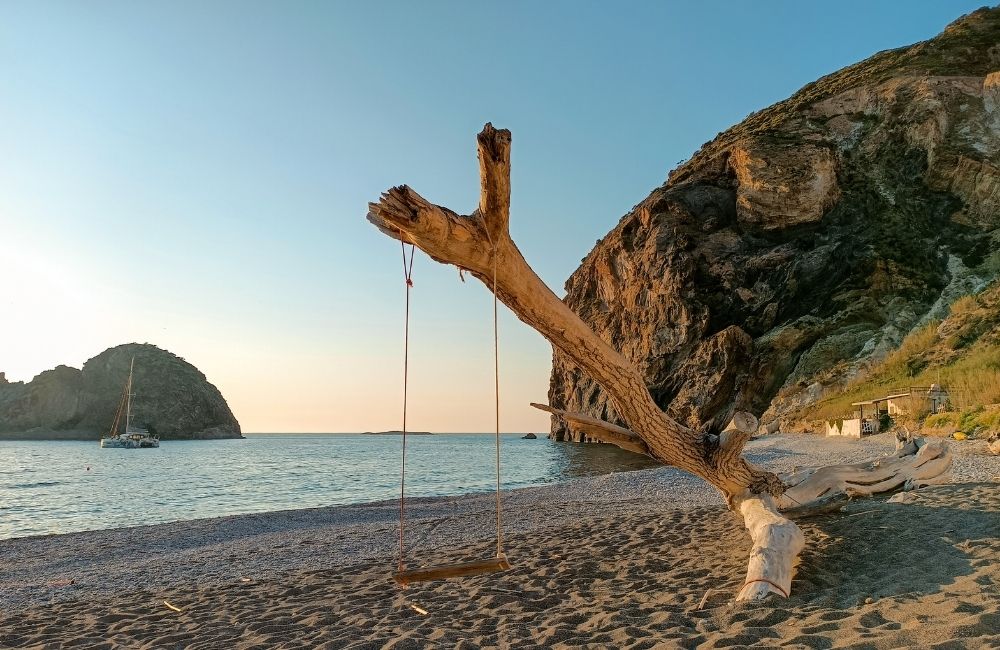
481,243
597,429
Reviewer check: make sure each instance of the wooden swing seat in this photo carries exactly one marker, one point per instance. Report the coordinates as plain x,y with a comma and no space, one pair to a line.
455,570
406,576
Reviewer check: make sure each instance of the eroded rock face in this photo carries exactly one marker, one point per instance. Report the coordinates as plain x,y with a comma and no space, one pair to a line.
172,397
778,187
814,235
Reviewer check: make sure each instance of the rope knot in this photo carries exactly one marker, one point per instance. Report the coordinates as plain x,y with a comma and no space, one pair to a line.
409,282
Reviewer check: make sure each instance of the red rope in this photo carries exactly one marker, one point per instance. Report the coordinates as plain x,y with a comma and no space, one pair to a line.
773,584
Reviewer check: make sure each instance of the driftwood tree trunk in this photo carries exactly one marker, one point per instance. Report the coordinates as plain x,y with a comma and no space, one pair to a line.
481,243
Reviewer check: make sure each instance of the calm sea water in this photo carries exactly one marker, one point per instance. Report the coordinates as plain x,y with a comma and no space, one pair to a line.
61,487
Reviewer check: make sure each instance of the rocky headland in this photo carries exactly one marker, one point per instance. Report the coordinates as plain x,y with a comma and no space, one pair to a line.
172,399
815,234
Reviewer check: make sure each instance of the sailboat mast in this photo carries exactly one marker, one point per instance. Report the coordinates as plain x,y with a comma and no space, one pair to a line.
128,408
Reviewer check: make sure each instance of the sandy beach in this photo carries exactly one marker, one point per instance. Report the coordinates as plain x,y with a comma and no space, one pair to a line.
634,560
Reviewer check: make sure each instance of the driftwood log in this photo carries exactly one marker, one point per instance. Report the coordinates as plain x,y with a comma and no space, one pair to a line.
481,244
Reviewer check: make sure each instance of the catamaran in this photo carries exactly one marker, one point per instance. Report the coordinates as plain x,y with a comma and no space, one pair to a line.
131,437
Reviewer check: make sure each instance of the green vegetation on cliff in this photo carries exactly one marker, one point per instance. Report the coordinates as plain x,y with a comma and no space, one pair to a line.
961,352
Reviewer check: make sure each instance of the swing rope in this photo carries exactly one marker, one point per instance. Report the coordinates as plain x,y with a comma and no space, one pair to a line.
408,277
496,393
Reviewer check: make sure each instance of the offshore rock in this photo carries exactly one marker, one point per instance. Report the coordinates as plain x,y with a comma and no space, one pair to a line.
805,242
172,398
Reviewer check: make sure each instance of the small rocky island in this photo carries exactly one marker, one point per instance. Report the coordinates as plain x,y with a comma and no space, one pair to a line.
172,399
397,433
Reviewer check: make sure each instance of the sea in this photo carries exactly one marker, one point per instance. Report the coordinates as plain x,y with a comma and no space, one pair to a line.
51,487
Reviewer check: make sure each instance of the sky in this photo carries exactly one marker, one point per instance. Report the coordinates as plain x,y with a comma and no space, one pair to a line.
196,175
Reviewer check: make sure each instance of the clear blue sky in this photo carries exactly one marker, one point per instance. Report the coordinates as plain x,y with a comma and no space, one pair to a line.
195,175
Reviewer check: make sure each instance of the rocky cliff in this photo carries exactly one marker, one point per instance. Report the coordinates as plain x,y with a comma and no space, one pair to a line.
816,233
172,398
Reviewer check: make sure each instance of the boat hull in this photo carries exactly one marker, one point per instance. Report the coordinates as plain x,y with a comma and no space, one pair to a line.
130,443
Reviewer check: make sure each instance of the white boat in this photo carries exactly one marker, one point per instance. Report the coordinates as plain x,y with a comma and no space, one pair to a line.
131,437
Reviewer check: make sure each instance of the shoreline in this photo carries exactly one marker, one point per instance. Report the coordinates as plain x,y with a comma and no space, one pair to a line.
647,535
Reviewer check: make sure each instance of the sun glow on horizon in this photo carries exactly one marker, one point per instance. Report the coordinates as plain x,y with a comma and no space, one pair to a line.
43,300
277,379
